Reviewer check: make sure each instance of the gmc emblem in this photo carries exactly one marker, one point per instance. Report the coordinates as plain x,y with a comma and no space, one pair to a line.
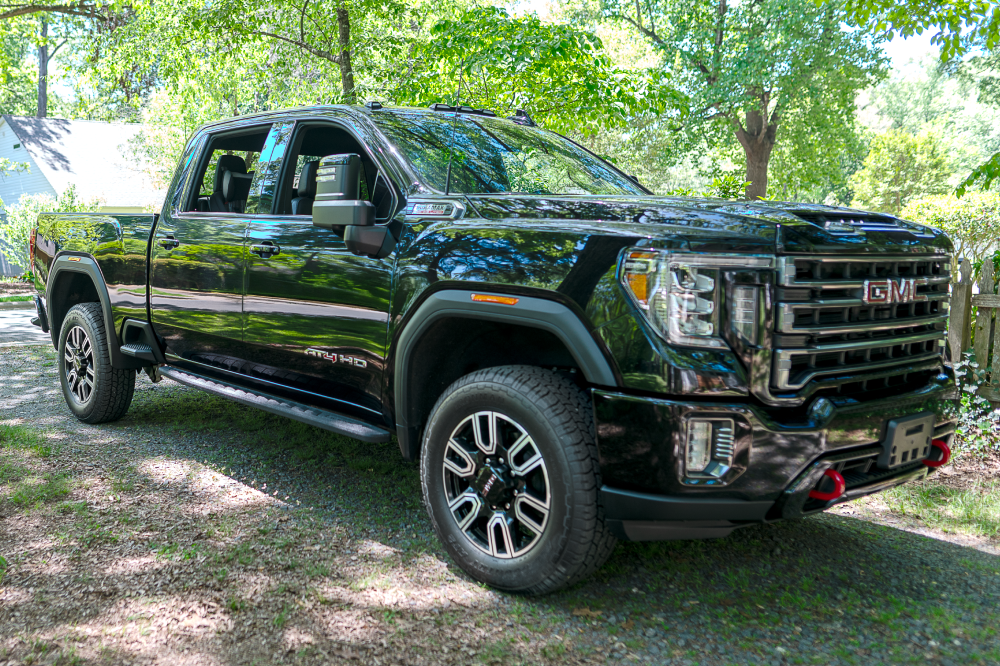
887,292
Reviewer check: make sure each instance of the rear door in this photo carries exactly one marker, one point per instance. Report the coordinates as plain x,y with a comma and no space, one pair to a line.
199,256
317,315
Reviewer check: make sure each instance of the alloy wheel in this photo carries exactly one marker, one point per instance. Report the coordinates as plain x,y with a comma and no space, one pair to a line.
497,485
78,364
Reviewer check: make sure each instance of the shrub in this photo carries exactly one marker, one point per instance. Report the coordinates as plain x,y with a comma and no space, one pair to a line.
23,216
972,222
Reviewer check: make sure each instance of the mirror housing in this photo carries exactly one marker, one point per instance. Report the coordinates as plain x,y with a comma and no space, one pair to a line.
338,207
338,191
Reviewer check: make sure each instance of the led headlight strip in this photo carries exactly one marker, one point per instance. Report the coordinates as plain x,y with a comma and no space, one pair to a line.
679,293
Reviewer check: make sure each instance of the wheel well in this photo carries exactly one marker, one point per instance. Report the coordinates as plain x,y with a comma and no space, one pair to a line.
69,289
453,347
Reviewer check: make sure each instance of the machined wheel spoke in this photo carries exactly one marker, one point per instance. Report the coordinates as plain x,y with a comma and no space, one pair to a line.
70,353
534,459
455,449
468,498
498,533
533,505
486,441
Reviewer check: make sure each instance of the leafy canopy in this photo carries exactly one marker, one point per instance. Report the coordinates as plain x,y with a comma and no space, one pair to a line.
901,167
488,59
757,71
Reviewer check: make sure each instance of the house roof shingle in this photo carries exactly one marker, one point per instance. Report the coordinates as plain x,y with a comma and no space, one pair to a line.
90,155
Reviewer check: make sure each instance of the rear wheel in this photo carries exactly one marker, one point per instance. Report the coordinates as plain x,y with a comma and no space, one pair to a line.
510,479
94,391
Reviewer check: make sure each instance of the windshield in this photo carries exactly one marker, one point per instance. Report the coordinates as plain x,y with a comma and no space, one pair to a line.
497,156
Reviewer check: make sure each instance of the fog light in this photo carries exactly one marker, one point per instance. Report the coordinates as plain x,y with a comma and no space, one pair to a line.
711,446
699,446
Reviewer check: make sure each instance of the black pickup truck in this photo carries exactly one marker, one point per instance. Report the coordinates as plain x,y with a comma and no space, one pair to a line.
570,359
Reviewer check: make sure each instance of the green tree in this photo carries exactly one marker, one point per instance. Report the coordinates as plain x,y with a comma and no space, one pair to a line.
759,69
899,168
961,26
560,74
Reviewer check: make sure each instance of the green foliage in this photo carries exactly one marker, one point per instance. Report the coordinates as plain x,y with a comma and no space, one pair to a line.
972,222
899,168
960,24
752,68
3,568
978,427
22,217
486,58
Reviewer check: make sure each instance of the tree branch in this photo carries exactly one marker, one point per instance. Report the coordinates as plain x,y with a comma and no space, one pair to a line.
12,10
319,53
646,31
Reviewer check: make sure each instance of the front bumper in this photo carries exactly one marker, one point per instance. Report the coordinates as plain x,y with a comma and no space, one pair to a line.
645,496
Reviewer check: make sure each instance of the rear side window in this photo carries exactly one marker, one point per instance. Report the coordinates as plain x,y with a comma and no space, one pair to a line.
227,170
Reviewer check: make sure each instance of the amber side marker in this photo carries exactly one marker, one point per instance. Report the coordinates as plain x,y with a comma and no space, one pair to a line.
487,298
74,259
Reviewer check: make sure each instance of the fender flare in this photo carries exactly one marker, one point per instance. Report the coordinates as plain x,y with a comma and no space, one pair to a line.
533,312
79,262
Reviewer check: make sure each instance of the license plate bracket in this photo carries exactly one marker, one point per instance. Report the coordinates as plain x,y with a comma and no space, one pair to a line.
907,439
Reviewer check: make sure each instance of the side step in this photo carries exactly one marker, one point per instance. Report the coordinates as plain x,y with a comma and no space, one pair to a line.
320,418
140,351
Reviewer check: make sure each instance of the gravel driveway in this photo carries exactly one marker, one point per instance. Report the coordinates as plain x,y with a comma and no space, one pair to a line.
199,531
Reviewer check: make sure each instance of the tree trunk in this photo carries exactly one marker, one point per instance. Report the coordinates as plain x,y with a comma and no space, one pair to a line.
346,73
43,73
758,141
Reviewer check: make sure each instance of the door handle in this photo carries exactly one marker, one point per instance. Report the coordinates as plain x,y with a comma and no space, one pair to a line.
265,250
169,243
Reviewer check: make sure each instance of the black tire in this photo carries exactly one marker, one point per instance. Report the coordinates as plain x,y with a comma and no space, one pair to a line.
557,416
110,390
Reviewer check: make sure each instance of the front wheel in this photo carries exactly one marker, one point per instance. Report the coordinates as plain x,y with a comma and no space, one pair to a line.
94,391
510,479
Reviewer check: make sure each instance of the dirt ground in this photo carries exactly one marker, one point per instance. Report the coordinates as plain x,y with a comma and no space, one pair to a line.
197,531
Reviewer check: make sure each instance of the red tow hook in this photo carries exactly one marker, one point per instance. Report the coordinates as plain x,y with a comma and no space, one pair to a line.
839,485
945,450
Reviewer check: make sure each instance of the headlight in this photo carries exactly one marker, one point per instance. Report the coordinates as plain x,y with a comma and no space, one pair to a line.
679,294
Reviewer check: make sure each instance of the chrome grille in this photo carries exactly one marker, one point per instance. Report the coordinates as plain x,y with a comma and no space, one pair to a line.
855,324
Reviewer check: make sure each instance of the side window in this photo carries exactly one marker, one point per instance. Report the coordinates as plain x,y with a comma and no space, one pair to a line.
226,171
298,180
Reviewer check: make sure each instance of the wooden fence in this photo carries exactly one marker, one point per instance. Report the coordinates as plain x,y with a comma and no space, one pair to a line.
977,330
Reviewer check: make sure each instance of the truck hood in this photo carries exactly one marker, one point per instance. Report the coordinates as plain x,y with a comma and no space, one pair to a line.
707,224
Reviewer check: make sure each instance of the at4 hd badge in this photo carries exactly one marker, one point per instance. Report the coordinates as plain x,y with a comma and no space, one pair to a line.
338,358
887,292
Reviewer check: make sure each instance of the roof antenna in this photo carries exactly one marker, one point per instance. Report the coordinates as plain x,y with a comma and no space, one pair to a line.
454,128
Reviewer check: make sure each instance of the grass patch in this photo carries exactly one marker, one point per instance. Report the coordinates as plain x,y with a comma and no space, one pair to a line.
974,510
32,490
15,299
20,438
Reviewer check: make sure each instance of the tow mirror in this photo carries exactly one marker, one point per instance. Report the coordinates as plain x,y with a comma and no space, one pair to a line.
338,186
339,206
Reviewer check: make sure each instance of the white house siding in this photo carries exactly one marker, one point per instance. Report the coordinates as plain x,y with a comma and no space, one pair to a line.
15,184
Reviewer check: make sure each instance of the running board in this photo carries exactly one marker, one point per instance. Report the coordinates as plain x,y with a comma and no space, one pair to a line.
321,418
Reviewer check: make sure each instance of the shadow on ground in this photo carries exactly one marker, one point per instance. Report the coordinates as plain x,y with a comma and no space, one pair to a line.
216,533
